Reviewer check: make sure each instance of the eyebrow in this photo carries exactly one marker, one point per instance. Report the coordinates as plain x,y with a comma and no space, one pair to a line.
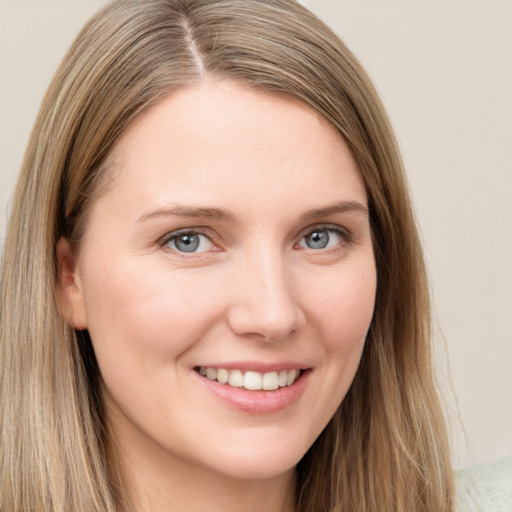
341,207
190,213
221,214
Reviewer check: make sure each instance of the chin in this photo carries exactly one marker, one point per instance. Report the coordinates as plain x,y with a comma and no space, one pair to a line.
260,461
256,469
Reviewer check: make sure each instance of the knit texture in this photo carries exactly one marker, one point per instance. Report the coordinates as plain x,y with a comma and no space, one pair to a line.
485,487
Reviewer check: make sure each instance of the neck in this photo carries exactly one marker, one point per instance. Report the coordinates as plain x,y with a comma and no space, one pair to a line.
155,481
188,488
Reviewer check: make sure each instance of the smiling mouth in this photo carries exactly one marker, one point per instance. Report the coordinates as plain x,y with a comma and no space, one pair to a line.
251,380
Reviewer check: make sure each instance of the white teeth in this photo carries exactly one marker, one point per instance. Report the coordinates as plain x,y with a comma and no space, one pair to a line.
292,375
236,379
270,381
211,373
222,375
251,380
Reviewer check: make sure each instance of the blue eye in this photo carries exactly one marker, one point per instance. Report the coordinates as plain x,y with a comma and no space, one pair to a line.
189,242
322,238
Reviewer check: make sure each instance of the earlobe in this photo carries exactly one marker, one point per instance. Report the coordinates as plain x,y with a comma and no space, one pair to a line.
69,286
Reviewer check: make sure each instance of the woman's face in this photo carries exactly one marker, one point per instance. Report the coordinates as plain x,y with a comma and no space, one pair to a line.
232,241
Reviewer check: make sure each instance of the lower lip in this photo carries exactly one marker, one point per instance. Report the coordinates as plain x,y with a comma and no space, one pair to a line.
258,402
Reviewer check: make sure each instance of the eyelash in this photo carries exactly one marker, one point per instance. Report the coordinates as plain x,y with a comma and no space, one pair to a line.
344,234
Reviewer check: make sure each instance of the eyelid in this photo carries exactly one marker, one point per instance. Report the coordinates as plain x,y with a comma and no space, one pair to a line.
342,231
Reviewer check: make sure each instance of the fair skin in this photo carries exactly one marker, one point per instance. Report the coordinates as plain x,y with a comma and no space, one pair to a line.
233,240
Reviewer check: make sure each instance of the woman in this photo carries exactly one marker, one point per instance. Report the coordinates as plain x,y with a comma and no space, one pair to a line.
213,293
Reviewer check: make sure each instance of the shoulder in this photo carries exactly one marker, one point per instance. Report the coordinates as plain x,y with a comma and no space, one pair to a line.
485,487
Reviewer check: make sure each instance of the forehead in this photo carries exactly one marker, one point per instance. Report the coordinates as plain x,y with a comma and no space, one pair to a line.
221,135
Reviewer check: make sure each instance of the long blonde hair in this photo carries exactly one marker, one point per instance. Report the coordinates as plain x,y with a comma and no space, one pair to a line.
386,447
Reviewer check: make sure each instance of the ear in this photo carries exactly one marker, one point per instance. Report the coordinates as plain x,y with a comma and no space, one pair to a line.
69,286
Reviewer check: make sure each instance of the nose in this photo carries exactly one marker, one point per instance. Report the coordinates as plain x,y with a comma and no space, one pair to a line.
265,304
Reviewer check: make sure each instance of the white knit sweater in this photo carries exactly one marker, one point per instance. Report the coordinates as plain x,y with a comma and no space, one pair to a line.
485,487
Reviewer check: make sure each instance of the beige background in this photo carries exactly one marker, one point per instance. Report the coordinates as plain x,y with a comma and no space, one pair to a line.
444,70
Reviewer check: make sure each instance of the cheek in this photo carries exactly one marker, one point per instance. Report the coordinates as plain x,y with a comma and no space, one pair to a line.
340,312
341,306
145,319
